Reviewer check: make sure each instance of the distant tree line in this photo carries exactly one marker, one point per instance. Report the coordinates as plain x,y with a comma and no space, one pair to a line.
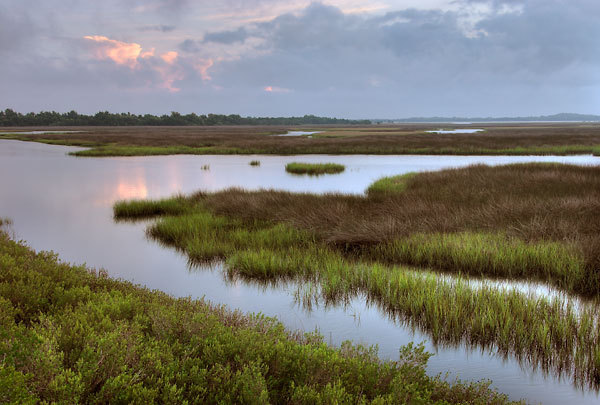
10,118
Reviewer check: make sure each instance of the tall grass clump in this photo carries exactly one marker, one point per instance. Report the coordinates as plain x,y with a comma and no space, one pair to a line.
146,208
390,185
255,163
71,335
489,255
314,169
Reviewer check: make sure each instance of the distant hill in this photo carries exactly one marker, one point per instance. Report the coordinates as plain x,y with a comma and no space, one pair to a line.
562,117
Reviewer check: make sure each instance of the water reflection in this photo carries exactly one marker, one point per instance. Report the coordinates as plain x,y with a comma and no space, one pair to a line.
455,131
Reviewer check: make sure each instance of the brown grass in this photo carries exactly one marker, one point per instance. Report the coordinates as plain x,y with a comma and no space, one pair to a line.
398,139
528,202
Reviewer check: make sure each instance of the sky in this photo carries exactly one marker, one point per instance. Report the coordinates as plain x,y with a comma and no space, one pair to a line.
342,58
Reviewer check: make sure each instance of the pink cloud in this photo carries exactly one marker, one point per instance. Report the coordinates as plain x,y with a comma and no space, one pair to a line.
275,89
122,53
167,66
202,66
169,57
169,76
147,54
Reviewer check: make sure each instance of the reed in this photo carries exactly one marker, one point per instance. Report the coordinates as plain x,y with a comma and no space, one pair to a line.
254,163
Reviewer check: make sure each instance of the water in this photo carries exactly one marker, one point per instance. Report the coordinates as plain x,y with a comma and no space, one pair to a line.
64,203
455,131
38,132
299,133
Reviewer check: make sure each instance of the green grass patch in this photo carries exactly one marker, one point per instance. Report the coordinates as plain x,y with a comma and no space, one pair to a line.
490,255
254,163
314,168
390,185
72,335
133,209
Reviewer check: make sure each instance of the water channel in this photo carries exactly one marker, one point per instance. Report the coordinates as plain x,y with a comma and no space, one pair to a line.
63,203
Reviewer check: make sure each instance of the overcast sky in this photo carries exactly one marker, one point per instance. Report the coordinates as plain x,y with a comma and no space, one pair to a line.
344,58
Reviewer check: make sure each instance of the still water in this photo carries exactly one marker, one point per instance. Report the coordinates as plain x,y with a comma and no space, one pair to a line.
455,131
62,203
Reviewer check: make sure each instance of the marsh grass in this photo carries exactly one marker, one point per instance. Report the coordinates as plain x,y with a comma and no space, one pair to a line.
254,163
314,169
523,207
516,222
489,255
73,335
390,185
541,332
133,209
504,139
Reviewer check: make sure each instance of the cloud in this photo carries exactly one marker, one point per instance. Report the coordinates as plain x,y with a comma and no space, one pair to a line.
162,71
323,47
202,66
190,46
356,59
161,6
169,57
122,53
275,89
158,28
227,37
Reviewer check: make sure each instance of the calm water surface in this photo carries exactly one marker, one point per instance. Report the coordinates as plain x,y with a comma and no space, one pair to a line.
455,131
64,204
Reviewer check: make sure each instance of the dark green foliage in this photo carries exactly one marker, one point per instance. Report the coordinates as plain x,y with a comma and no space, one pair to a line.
71,335
10,118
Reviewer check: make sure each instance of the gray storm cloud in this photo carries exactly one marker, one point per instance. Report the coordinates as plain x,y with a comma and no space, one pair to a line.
514,57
